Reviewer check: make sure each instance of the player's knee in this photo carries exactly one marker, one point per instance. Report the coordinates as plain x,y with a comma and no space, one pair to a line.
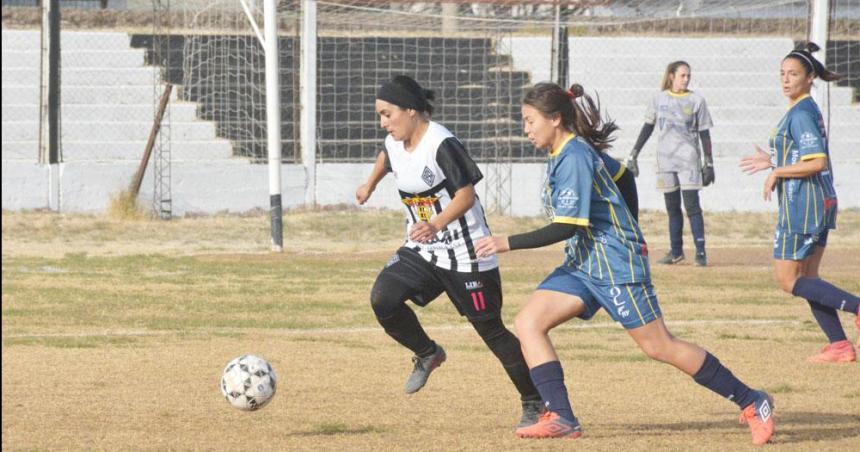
491,329
658,350
786,282
499,339
384,304
526,323
673,203
691,202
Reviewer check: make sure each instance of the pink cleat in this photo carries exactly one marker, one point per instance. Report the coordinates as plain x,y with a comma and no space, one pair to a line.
837,352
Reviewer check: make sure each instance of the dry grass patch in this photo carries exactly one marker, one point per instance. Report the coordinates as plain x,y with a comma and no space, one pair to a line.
115,334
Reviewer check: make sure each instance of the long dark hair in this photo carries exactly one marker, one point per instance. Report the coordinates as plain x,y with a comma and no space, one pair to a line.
579,113
810,64
670,70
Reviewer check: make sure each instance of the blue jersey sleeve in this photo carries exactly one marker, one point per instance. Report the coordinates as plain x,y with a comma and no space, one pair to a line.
807,136
571,187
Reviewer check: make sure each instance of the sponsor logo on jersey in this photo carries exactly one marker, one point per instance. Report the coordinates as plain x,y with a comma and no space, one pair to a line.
620,306
422,206
567,198
394,259
428,176
808,140
472,285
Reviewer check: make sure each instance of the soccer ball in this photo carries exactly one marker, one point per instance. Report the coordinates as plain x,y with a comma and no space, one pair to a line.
249,382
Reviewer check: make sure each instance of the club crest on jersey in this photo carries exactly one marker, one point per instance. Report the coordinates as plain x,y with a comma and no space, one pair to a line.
428,176
423,207
567,198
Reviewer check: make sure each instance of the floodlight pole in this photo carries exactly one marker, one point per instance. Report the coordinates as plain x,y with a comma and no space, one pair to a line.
308,96
273,122
818,33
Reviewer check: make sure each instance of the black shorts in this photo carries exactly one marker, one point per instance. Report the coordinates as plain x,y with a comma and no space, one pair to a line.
407,276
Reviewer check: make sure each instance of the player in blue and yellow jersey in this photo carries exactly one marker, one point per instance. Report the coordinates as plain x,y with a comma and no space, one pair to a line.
803,178
605,265
626,182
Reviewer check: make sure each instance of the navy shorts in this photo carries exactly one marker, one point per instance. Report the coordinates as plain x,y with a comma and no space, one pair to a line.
631,305
797,247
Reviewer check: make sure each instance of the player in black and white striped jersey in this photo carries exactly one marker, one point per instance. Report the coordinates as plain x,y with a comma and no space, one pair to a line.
436,179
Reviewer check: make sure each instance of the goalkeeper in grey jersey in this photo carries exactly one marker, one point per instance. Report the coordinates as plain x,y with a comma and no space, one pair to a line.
681,118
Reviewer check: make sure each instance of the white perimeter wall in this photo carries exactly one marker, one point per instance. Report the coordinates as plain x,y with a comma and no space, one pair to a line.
220,183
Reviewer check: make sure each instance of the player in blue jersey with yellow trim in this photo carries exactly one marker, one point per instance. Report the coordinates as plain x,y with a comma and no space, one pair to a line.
803,177
626,182
605,266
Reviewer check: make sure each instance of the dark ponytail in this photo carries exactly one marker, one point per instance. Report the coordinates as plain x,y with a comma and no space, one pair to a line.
810,64
579,113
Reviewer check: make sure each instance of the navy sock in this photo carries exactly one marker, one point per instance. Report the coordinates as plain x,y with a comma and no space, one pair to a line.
676,222
825,294
828,320
676,234
717,378
697,225
549,380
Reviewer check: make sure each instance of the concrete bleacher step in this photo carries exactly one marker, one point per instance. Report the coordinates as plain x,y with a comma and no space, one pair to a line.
679,48
203,150
84,95
601,64
87,76
72,59
177,112
69,40
111,131
652,80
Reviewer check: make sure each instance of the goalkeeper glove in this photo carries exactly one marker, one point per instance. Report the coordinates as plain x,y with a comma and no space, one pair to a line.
708,176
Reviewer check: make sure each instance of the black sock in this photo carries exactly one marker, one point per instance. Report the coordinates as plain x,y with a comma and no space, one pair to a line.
828,320
404,328
507,349
717,378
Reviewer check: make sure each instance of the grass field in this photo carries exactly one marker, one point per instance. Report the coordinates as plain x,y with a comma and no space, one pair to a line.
115,334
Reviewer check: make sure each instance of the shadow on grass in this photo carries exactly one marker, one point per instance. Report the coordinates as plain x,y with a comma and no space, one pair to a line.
330,429
791,427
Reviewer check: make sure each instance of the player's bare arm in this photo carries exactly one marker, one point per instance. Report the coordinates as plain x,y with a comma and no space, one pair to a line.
796,171
376,174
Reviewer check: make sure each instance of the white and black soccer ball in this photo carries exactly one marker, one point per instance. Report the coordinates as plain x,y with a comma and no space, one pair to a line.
249,382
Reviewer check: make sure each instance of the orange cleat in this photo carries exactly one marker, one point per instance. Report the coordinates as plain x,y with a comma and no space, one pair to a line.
857,324
551,425
759,416
837,352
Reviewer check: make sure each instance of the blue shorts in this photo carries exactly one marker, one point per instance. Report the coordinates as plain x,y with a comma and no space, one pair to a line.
797,247
631,305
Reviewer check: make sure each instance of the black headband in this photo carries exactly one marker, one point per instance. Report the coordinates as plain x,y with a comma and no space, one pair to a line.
393,93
